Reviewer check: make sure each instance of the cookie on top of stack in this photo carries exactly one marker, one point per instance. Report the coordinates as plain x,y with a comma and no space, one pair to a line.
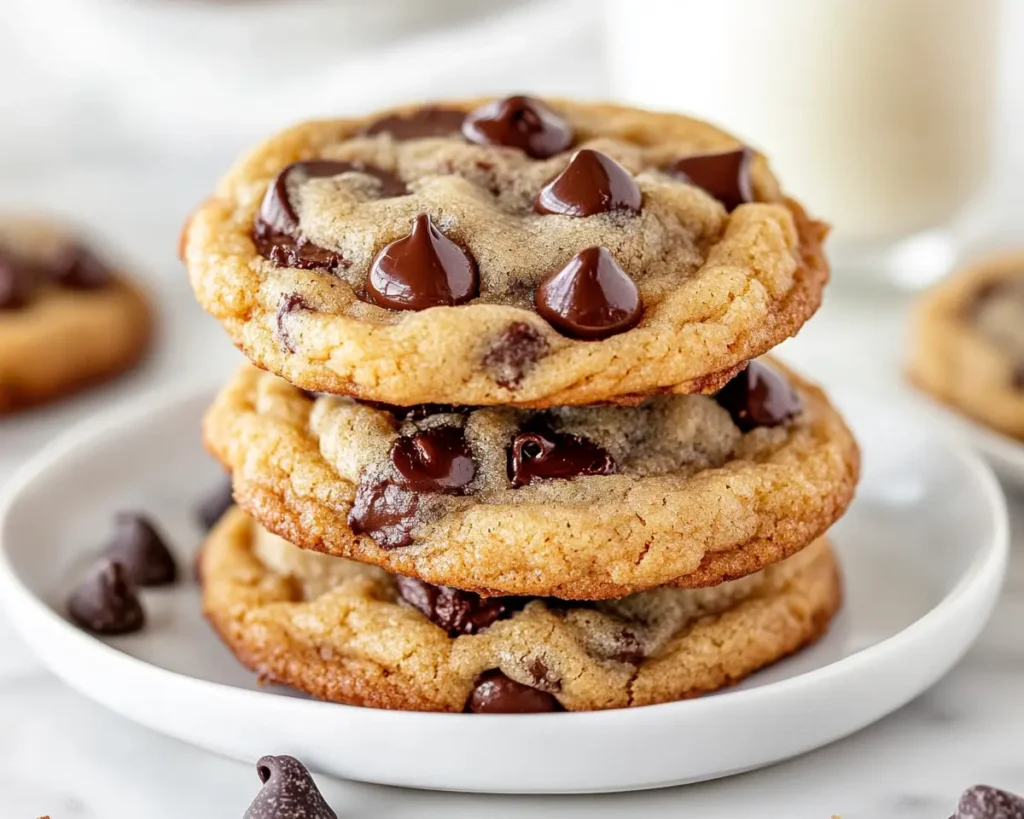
504,448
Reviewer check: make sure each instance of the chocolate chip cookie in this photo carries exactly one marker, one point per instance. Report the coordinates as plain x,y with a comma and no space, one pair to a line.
67,319
572,502
352,633
967,345
512,251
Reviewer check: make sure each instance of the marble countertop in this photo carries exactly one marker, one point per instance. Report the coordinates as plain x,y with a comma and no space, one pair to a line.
64,756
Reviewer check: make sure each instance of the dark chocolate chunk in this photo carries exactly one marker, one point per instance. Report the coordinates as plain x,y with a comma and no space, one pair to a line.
457,612
513,353
385,511
212,508
591,183
421,270
140,549
288,792
985,802
435,460
590,298
18,280
106,601
431,121
78,268
628,648
287,251
759,397
494,693
289,304
544,454
519,122
544,679
726,176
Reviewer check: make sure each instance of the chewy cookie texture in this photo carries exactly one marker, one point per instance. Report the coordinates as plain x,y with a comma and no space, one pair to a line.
509,252
352,633
67,320
573,502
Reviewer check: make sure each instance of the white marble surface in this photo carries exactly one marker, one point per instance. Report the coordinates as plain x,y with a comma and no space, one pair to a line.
63,148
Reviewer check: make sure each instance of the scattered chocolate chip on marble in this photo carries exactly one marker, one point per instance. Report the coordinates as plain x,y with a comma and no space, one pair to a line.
142,551
986,802
759,397
456,611
590,184
725,176
106,601
512,354
421,270
542,454
422,123
495,693
212,508
288,792
519,122
590,298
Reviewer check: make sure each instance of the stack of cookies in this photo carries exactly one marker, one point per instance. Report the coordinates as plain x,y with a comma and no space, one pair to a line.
504,447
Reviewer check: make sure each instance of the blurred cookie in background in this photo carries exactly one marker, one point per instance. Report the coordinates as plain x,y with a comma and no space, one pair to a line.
68,318
967,343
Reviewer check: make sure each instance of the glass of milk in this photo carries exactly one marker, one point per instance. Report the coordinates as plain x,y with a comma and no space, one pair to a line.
876,114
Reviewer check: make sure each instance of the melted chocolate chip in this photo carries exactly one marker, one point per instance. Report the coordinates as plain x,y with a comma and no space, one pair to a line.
519,122
590,298
759,397
591,183
212,508
140,549
421,270
544,679
435,460
419,124
628,648
513,353
985,802
543,454
726,176
288,792
457,612
417,412
106,602
78,268
494,693
18,280
385,511
289,304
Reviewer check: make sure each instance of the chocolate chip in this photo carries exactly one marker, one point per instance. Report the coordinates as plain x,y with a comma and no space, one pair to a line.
513,353
544,679
140,549
288,792
494,693
289,304
78,268
435,460
519,122
287,251
385,511
726,176
985,802
457,612
212,508
419,124
759,397
106,601
421,270
543,454
628,648
417,412
18,280
590,298
591,183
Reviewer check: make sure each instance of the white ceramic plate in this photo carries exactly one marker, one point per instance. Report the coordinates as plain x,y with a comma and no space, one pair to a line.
924,550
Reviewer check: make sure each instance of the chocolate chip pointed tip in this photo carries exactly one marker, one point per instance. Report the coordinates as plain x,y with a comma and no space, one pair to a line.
78,268
106,602
759,397
591,298
288,792
519,122
421,270
725,176
590,184
986,802
142,551
496,693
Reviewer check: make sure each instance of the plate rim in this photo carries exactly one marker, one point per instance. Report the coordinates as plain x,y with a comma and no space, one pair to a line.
990,560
